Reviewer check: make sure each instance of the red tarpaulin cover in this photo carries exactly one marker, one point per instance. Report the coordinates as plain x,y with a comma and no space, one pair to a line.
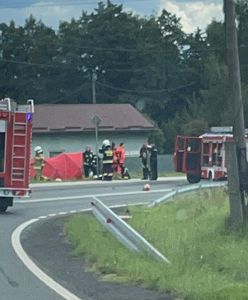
64,166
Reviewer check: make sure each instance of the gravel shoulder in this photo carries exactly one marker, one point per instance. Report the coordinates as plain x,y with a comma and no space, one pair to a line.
45,243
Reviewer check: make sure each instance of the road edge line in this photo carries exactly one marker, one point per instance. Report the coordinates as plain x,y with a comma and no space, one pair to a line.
27,261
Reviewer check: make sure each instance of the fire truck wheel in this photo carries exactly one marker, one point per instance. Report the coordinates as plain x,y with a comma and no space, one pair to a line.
193,178
3,207
210,176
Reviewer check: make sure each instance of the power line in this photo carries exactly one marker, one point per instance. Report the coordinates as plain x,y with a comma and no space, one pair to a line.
170,90
165,52
144,92
34,64
114,49
71,66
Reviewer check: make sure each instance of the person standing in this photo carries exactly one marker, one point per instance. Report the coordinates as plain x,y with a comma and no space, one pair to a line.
39,162
115,159
145,160
95,166
87,161
107,160
154,162
121,156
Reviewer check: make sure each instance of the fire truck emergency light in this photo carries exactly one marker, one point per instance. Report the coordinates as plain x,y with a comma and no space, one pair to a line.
28,116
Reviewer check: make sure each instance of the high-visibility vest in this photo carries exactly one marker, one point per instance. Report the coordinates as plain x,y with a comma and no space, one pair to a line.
39,161
107,156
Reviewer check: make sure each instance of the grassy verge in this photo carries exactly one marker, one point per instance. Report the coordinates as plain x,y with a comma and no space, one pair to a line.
208,260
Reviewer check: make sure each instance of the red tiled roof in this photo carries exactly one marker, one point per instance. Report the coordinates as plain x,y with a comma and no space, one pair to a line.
78,117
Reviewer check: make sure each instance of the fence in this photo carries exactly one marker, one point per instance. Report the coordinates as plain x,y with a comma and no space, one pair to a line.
165,164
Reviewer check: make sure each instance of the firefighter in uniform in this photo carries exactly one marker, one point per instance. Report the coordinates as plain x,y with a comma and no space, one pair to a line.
95,166
107,160
154,162
115,159
39,162
88,157
145,160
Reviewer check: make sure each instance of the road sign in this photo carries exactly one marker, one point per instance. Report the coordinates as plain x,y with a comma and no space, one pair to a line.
96,120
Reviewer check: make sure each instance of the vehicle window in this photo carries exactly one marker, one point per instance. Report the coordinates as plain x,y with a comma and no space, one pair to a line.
2,144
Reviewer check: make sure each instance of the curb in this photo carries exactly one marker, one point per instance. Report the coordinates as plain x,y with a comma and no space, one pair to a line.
160,180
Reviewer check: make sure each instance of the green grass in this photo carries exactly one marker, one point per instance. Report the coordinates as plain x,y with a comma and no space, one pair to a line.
208,260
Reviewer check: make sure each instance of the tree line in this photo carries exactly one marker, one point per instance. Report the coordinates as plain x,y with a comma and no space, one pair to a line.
177,80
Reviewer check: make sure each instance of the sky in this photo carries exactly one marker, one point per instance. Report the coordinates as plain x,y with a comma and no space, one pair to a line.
193,13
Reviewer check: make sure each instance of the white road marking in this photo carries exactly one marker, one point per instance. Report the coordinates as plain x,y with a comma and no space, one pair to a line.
84,210
23,256
90,196
16,243
51,215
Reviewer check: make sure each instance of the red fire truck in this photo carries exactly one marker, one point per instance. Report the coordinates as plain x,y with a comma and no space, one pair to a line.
203,157
15,143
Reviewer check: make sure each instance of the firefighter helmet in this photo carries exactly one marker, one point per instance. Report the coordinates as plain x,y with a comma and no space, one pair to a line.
38,149
106,143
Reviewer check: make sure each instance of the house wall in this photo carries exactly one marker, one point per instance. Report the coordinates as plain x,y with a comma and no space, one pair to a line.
74,142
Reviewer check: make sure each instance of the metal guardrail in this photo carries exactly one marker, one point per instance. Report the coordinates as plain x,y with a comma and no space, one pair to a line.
126,234
186,189
123,231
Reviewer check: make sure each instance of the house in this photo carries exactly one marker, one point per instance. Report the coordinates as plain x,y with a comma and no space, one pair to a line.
70,127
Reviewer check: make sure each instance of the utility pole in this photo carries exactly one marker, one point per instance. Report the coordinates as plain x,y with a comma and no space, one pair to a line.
96,121
1,44
94,78
237,105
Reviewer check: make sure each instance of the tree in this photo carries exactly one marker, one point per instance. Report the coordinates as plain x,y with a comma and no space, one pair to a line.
28,52
178,80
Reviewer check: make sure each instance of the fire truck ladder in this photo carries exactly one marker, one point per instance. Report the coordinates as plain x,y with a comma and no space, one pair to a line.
19,146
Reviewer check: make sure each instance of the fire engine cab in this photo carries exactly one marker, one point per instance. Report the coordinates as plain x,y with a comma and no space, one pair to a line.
203,157
15,143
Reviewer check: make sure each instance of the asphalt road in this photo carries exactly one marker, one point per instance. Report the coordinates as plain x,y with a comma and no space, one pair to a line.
44,242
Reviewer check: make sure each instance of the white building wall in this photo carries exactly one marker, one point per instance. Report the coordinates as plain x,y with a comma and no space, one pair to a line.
74,142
